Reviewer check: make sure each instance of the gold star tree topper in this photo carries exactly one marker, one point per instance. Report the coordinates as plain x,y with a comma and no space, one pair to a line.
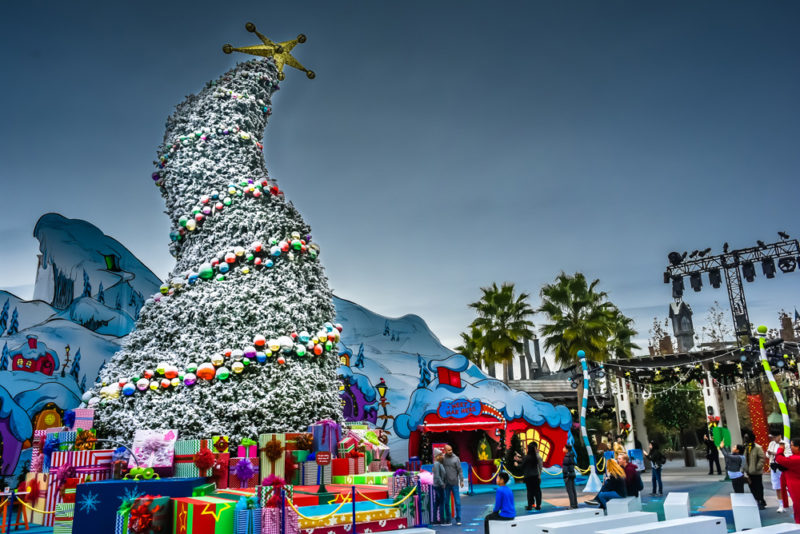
281,52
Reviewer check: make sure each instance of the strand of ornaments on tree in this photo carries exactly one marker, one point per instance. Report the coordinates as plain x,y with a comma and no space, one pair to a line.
255,257
166,376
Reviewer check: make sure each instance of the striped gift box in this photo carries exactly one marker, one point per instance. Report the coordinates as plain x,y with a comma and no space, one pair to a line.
53,496
84,418
66,438
313,473
65,511
185,450
275,467
39,437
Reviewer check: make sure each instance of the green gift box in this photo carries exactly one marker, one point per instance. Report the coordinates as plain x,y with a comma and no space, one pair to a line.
369,479
300,456
203,515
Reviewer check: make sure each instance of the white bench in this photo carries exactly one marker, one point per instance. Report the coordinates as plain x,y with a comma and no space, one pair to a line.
779,528
676,505
595,524
624,505
709,525
745,511
523,523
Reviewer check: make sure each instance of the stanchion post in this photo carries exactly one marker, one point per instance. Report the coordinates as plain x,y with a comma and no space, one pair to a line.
354,508
469,480
283,511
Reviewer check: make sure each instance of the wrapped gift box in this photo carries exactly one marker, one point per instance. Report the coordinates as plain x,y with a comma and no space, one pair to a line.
265,493
97,502
68,491
154,448
247,518
271,521
84,419
150,515
247,451
291,439
63,518
38,484
313,474
340,467
93,464
379,478
326,434
374,466
275,467
203,515
185,451
233,480
346,445
66,439
345,518
36,451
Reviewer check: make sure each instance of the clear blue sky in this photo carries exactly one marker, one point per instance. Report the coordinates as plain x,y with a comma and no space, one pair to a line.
442,146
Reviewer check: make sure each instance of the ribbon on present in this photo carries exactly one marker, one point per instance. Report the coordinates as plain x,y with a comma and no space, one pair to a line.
247,518
220,443
205,459
50,446
141,516
69,418
124,510
244,471
220,470
85,440
273,450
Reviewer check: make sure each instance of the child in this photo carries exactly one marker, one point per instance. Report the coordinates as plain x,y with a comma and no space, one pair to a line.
503,503
568,470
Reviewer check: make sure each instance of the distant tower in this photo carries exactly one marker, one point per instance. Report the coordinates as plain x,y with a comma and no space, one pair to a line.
681,315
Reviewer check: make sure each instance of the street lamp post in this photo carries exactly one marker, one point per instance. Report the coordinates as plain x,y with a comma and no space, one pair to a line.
382,389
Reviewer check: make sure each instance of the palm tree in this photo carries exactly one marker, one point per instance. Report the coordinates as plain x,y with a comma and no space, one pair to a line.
503,321
582,318
470,347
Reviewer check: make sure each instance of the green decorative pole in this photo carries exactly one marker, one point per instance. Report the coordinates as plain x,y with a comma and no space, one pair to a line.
762,334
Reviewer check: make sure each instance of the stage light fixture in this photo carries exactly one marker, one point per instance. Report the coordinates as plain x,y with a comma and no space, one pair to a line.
695,281
675,258
714,278
666,277
677,287
748,271
787,265
768,267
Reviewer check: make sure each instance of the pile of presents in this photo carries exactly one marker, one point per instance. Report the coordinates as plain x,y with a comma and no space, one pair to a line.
166,484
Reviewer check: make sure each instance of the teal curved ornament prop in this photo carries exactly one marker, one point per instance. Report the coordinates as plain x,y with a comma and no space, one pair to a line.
593,483
762,334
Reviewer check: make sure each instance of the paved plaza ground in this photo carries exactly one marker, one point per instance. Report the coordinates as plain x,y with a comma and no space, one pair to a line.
709,495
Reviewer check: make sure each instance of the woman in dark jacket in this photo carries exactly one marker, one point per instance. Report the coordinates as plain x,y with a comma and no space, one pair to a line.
613,487
532,475
568,470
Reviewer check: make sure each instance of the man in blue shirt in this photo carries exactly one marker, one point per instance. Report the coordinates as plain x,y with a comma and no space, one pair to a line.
503,503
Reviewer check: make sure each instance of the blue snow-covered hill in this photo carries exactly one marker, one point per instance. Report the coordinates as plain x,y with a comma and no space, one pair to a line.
88,291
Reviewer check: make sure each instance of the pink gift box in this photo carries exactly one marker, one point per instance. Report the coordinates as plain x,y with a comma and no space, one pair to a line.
248,451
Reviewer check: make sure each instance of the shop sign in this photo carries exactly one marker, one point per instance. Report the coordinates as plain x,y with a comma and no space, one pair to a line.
458,409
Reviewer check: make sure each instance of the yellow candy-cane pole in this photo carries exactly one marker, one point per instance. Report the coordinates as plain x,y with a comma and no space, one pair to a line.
762,332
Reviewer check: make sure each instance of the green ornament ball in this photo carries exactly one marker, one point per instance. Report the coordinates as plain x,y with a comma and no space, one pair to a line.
206,271
227,201
182,221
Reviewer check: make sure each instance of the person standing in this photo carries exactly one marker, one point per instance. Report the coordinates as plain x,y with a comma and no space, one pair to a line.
438,490
754,468
613,487
503,503
532,475
619,447
453,480
633,482
777,441
657,461
712,455
792,465
734,466
568,465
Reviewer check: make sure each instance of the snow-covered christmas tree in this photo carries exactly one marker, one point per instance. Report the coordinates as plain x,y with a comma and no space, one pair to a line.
240,340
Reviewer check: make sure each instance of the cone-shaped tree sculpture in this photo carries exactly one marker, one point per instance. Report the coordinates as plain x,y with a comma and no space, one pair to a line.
239,342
